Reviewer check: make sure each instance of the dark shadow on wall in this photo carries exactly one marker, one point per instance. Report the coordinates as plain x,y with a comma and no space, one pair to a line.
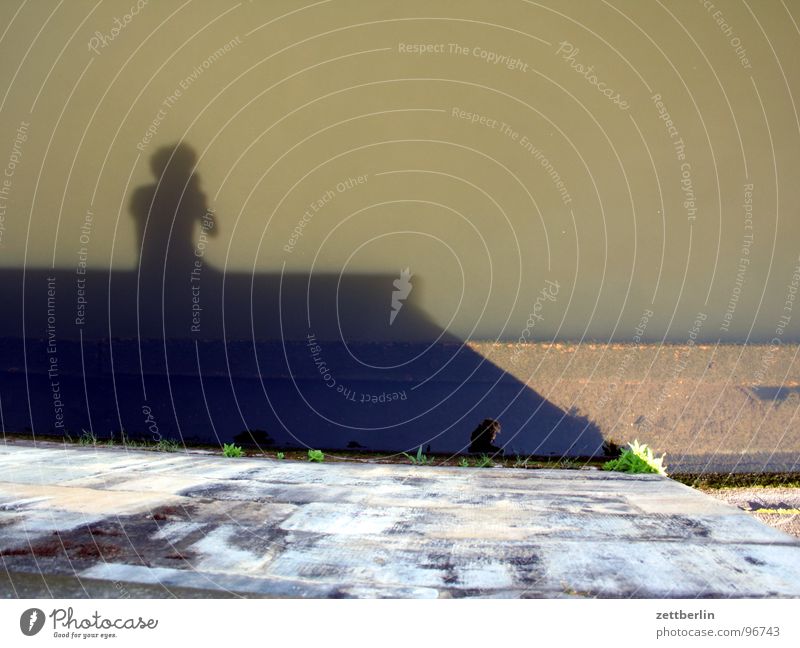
168,215
177,349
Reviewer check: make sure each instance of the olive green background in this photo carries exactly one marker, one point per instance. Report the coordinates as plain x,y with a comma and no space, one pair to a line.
311,94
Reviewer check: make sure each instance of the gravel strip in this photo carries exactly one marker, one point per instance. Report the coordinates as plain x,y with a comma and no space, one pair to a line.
777,507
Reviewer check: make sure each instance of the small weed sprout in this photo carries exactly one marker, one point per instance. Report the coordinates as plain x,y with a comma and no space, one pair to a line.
420,459
484,461
316,455
280,455
128,442
463,462
638,458
87,438
231,450
167,445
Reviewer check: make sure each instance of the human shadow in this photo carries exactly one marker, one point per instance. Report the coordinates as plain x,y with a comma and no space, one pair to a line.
169,213
173,225
178,349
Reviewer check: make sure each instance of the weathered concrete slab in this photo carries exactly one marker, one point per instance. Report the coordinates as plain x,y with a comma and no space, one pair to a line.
192,525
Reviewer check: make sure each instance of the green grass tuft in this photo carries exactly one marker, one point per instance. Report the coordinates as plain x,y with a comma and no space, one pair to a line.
637,459
167,445
316,455
420,459
87,438
231,450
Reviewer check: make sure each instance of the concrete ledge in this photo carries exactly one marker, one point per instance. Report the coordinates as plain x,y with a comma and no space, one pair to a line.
205,526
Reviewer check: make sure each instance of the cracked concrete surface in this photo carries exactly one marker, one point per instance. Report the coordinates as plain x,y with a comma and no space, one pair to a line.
111,522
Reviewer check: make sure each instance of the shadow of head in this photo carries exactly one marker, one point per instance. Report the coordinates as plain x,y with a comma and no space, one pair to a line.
176,160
